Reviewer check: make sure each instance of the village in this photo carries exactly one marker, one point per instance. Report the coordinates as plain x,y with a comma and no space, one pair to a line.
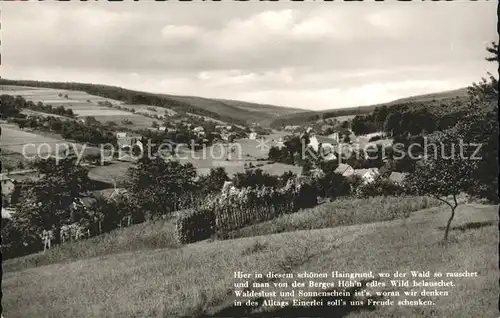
252,160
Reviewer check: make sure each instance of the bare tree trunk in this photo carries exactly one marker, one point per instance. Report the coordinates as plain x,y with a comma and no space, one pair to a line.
453,208
57,235
449,223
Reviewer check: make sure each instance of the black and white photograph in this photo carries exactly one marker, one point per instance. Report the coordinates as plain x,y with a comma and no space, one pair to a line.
249,159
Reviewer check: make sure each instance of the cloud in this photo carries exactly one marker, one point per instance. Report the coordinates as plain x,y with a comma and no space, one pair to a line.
176,33
316,55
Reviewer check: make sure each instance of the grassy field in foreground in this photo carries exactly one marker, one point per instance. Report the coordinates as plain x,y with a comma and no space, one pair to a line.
160,234
341,212
150,235
197,279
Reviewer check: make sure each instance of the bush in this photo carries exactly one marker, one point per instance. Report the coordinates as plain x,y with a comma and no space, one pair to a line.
234,209
375,138
254,178
194,225
380,187
332,185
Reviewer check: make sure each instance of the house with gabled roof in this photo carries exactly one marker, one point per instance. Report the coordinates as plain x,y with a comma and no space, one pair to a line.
318,142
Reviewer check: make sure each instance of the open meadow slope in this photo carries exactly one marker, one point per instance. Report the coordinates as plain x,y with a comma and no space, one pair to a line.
83,105
228,111
196,280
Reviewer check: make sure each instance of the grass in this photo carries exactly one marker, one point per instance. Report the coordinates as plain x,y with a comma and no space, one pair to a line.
197,279
11,160
145,236
341,212
13,139
160,234
82,104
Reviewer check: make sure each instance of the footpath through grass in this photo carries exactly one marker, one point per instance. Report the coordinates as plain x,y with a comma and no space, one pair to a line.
197,279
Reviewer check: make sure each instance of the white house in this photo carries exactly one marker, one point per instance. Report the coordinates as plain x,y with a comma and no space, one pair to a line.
367,175
252,135
162,128
328,144
335,136
121,135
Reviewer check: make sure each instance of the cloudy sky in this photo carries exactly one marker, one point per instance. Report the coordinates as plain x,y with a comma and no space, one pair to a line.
307,55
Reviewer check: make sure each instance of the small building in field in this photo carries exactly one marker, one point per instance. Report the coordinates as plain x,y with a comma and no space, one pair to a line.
367,175
128,142
252,135
121,135
317,142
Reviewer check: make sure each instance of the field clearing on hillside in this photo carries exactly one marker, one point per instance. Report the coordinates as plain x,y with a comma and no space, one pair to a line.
198,278
15,139
114,172
214,156
83,105
42,114
51,96
144,109
21,141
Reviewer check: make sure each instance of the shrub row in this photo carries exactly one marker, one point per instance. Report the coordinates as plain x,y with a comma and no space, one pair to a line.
237,208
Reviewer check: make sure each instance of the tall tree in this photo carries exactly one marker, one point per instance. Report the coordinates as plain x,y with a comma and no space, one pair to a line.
159,186
47,202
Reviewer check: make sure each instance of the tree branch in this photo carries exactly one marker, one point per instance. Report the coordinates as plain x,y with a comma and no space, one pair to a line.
442,200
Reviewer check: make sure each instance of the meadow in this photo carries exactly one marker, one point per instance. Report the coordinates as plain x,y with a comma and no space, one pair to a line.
13,139
160,234
196,280
84,105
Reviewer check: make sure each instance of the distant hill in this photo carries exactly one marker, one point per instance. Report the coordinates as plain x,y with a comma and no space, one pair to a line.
310,116
247,111
236,112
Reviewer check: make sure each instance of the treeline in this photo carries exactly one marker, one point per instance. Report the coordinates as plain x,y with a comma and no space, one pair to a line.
154,188
11,107
411,118
308,117
68,129
125,95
